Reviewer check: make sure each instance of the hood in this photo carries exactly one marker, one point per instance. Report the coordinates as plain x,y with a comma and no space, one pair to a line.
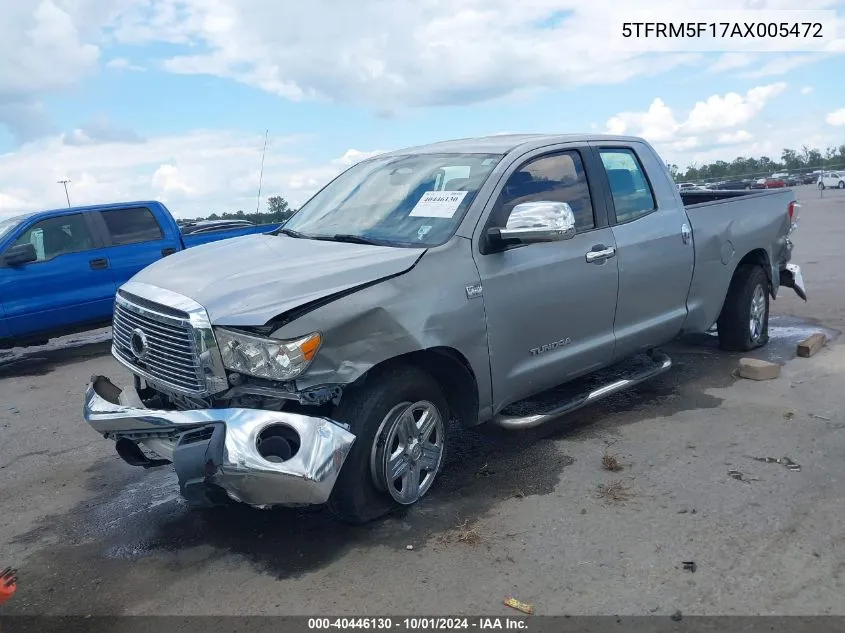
249,280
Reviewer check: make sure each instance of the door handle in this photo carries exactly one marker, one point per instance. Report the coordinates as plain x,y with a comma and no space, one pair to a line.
600,253
167,251
99,263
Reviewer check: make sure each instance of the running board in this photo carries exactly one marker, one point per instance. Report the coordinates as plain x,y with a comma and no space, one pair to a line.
659,362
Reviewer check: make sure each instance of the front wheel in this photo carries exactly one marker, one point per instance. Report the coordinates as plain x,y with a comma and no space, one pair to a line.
842,184
399,418
744,322
821,186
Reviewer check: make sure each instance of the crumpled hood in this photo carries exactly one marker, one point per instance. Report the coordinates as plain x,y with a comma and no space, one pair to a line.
248,280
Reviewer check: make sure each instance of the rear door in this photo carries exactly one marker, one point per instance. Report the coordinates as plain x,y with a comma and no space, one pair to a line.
134,239
654,249
69,284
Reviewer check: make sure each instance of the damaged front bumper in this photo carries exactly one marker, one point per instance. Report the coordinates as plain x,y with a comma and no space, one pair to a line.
258,457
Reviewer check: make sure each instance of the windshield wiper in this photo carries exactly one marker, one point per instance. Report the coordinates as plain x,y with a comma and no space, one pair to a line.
290,233
354,239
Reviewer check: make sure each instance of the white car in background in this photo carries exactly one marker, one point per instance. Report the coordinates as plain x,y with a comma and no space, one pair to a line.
832,179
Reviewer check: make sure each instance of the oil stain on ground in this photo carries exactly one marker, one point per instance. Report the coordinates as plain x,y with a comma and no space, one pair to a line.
41,360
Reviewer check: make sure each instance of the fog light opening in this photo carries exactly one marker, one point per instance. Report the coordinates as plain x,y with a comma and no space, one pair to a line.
277,443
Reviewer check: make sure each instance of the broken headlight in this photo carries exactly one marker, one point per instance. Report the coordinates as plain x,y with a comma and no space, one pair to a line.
268,358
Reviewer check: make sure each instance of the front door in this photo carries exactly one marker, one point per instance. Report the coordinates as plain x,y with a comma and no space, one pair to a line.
69,283
549,310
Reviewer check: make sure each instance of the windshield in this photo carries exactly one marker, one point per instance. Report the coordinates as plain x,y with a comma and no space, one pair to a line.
8,224
411,200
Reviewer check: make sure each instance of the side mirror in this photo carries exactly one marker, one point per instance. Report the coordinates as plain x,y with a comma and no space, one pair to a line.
20,254
532,222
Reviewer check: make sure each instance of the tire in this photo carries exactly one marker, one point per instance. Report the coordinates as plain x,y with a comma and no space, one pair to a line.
373,411
842,184
739,331
821,186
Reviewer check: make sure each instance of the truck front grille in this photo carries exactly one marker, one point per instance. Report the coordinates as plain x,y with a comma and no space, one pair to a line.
156,343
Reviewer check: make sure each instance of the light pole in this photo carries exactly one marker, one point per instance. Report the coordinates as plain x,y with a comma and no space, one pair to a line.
65,181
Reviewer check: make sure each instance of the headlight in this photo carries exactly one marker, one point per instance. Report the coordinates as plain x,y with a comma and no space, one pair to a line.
266,357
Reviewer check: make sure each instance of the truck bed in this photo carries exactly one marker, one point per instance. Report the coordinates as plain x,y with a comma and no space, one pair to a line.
727,226
699,197
195,239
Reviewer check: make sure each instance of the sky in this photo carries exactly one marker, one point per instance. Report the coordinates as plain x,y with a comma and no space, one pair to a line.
170,99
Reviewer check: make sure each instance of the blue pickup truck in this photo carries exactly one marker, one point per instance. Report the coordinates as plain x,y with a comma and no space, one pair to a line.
60,269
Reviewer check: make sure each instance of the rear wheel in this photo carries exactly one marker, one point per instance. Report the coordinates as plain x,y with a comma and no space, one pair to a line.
399,418
821,185
744,322
842,184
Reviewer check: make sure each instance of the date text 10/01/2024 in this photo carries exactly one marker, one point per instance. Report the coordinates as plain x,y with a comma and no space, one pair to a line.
760,30
418,624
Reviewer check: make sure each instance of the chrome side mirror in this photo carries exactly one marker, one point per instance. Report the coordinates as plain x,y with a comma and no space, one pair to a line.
541,221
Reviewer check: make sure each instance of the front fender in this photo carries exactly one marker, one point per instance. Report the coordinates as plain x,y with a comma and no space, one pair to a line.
426,307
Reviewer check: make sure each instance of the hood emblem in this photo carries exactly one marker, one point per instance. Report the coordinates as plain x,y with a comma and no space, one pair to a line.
138,343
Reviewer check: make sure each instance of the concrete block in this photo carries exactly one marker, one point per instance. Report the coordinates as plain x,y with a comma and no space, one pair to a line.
811,345
754,369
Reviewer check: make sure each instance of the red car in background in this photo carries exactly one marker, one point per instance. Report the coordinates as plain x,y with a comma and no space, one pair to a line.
774,183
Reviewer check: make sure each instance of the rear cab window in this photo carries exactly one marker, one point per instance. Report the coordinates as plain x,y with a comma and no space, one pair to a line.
632,195
131,226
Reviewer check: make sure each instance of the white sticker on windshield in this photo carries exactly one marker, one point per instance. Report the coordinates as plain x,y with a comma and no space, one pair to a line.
438,204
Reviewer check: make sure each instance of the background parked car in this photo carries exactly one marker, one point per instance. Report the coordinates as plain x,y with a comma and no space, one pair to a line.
832,179
774,183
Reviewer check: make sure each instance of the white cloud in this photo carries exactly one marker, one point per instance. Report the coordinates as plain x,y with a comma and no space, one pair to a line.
732,61
783,64
46,46
711,125
806,90
836,118
121,63
717,112
734,138
195,173
423,53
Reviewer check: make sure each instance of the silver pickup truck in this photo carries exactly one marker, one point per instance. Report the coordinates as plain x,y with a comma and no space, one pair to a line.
457,281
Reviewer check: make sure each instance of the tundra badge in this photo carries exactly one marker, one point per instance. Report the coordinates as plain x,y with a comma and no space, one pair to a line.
549,346
473,291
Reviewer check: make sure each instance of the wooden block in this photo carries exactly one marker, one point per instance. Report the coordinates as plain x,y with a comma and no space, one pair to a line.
754,369
811,345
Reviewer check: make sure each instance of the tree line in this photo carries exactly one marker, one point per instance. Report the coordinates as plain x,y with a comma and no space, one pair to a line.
278,210
805,160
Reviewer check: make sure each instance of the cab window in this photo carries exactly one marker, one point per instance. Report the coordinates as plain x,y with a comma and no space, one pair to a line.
56,236
558,177
130,226
632,195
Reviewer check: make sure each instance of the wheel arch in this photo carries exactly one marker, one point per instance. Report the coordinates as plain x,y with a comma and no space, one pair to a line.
758,256
448,367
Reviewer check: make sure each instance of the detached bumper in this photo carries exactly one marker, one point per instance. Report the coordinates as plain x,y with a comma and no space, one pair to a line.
216,451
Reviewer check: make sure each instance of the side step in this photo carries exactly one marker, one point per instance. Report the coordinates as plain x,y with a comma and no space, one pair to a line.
538,409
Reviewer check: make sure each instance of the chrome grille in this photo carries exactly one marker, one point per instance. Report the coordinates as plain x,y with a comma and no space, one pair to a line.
170,359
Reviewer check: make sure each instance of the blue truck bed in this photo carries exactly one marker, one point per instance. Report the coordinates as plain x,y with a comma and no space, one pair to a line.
60,269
